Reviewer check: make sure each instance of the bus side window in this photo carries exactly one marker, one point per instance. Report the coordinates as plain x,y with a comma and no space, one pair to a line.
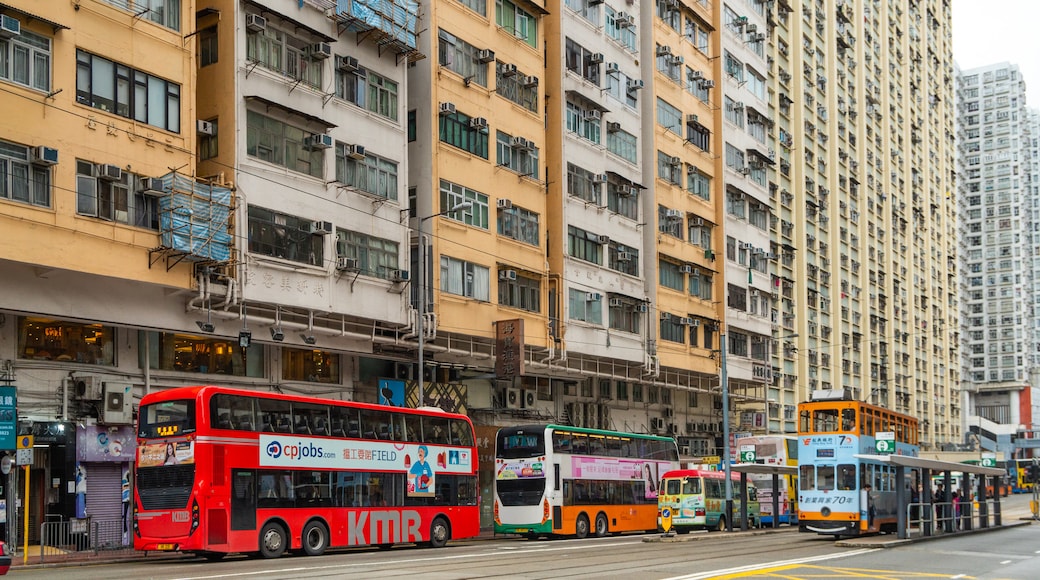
672,486
413,427
461,434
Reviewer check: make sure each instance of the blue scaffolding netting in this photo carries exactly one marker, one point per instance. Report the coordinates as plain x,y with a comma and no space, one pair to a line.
397,18
194,219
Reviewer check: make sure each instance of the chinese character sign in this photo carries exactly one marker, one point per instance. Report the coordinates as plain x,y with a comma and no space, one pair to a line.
509,348
8,417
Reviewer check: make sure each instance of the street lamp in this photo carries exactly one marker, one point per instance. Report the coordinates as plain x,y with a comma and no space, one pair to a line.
422,290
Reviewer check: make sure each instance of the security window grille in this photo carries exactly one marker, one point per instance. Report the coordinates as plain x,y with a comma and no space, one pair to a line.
523,293
116,201
275,141
462,57
26,60
515,88
453,194
20,180
123,91
372,174
284,236
375,256
465,279
519,224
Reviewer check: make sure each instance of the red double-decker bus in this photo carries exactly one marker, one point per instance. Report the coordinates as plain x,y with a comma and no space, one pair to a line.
223,470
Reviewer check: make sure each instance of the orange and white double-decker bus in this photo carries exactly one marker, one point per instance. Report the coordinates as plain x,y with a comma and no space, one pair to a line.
223,470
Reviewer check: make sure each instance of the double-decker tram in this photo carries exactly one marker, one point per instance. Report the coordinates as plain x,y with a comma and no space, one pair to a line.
223,470
560,480
833,493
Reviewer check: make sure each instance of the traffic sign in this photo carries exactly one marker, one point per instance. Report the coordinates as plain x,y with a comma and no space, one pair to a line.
885,442
666,519
25,441
747,453
24,456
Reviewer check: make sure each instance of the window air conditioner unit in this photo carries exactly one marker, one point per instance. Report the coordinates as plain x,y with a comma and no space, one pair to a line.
635,84
613,127
664,50
345,264
630,191
150,185
318,141
697,221
255,23
320,51
507,274
695,272
707,84
593,115
596,58
615,303
505,203
321,227
43,155
10,26
624,256
643,307
530,81
599,178
507,70
738,106
675,161
746,246
758,37
674,214
355,151
740,21
678,59
693,118
448,108
604,239
518,142
593,297
485,56
398,275
347,63
686,269
612,67
108,172
478,123
695,75
751,28
204,128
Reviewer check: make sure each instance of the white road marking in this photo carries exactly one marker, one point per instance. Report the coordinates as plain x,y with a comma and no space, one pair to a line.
958,576
709,574
1005,562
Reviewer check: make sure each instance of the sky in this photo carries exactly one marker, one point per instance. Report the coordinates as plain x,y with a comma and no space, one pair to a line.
991,31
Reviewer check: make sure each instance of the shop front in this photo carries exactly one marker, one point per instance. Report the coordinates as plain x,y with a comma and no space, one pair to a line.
105,456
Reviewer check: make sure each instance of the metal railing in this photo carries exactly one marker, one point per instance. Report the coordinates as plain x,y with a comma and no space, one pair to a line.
60,538
944,517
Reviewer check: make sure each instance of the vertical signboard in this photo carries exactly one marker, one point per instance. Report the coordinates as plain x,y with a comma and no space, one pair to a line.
8,417
509,348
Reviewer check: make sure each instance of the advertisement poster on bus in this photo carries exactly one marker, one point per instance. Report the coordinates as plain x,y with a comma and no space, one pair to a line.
169,453
618,469
422,463
520,469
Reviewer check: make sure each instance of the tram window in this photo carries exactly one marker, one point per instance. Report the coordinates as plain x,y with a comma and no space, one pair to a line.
866,475
847,477
806,478
825,420
848,420
826,477
805,422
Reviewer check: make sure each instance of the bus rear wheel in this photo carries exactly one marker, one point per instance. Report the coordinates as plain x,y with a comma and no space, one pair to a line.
581,527
272,540
439,533
721,526
315,538
601,526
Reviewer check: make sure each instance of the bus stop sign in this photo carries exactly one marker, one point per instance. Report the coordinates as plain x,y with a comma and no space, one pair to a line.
885,442
989,459
747,453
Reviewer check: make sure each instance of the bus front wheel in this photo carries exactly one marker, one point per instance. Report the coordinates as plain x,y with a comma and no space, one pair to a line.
601,526
721,526
272,540
439,533
581,527
315,538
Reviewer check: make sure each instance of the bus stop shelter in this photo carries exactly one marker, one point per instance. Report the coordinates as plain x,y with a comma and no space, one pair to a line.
929,466
765,469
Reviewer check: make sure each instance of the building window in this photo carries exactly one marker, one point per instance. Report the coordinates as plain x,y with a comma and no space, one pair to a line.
519,224
637,393
699,232
619,87
699,34
581,183
123,91
285,54
453,194
516,86
667,63
622,31
518,155
57,340
314,366
284,236
116,200
463,58
271,140
670,222
734,112
584,245
375,256
371,173
587,10
519,291
413,126
733,67
698,183
517,21
623,144
671,275
208,146
162,12
585,122
585,306
738,344
622,197
701,285
699,136
623,258
478,6
668,168
208,46
26,60
20,180
672,329
382,96
195,354
583,61
735,158
459,130
465,279
737,298
624,314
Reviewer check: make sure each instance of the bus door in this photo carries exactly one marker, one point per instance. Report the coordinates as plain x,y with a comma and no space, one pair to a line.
243,499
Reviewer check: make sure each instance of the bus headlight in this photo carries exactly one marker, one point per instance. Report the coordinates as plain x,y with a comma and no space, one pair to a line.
825,512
